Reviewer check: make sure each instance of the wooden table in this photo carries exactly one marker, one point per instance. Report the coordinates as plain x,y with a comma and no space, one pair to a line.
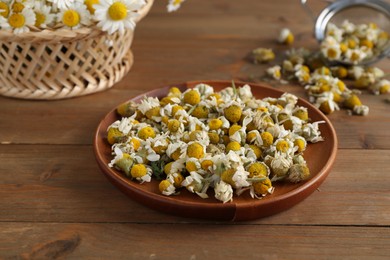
55,202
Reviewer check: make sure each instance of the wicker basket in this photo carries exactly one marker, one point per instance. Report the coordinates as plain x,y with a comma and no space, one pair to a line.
58,64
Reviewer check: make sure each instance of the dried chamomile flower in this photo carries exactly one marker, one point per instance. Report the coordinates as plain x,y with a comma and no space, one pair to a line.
263,55
286,36
381,87
200,139
274,72
353,43
223,192
298,172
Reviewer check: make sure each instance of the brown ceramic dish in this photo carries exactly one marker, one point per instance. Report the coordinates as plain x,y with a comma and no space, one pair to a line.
319,156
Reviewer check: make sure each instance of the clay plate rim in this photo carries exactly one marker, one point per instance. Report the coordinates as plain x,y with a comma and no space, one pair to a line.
323,155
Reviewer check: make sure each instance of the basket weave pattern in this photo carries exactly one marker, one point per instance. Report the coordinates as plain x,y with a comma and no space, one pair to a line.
63,63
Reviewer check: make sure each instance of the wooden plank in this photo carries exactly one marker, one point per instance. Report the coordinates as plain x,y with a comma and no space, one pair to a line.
156,241
63,183
65,122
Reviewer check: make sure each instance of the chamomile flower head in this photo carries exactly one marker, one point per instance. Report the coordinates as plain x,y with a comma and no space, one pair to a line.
117,15
167,187
19,22
223,192
4,8
43,14
174,5
74,16
62,4
263,55
286,36
274,72
381,87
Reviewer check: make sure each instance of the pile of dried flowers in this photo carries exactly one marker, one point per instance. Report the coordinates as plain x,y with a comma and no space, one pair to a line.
325,84
201,139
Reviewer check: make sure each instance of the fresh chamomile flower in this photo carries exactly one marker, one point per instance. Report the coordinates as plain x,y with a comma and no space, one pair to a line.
74,16
4,8
117,15
223,192
17,6
43,14
286,36
90,4
62,4
19,22
174,5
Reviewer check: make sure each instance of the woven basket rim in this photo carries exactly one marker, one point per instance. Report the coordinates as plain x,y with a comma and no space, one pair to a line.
63,34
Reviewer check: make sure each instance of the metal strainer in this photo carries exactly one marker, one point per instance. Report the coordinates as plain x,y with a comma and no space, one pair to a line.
356,11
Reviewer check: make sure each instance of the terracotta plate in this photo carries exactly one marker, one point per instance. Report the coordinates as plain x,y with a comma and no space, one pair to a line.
320,157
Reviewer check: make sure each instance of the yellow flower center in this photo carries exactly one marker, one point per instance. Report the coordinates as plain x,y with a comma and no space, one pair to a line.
146,132
89,4
114,135
233,146
178,179
164,185
195,150
39,19
4,8
191,166
177,2
16,20
214,137
300,144
332,53
206,164
233,129
167,168
174,91
215,124
136,143
258,169
173,125
191,97
71,18
138,170
267,138
262,187
117,11
256,150
17,7
200,112
233,113
282,146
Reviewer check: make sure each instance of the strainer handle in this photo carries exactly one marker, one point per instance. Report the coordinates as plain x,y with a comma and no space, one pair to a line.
308,9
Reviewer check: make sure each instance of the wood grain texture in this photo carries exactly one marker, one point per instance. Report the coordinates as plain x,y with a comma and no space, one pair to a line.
156,241
56,204
63,184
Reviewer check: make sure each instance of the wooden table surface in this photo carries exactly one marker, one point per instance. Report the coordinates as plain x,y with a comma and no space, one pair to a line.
56,203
